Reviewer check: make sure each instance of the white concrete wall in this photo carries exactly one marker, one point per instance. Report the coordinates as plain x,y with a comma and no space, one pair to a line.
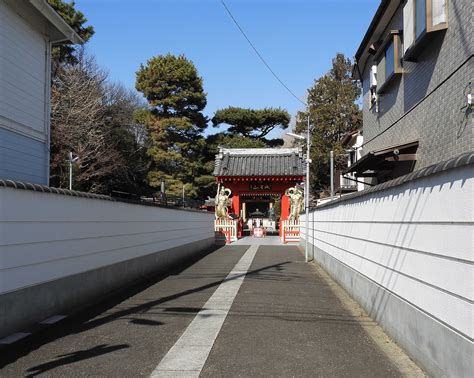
413,242
45,237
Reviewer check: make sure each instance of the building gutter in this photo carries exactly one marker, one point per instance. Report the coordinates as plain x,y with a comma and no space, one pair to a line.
58,22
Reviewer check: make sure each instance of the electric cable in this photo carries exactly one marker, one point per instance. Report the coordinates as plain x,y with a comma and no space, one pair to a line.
419,102
260,55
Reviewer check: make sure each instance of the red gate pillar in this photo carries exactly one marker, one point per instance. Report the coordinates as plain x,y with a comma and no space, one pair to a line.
285,210
236,210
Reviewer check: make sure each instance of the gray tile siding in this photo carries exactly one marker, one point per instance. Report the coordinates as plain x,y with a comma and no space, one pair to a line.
23,158
434,86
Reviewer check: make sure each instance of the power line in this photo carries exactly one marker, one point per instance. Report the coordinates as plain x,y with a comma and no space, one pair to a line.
260,55
419,102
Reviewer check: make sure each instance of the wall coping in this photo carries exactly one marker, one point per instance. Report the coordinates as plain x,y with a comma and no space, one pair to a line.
462,160
12,184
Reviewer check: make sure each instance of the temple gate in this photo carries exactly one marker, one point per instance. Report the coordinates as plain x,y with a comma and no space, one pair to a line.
255,186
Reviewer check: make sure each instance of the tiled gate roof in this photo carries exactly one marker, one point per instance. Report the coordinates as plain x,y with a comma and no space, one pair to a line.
259,162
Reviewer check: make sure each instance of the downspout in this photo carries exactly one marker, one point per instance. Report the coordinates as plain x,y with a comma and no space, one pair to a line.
47,112
360,74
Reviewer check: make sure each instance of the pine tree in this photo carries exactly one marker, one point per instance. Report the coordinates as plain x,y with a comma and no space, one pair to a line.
67,53
174,120
253,123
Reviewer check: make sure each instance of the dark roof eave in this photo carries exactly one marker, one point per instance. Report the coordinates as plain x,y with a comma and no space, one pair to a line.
295,175
373,24
363,163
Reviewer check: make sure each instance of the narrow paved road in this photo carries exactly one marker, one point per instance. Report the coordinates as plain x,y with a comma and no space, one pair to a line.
239,311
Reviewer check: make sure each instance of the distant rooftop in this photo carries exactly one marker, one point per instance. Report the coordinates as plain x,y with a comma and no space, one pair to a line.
259,162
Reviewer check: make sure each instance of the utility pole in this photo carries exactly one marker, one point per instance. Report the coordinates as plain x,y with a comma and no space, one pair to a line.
331,165
308,161
307,186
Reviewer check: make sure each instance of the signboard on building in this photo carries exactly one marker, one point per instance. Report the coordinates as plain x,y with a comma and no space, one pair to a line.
260,186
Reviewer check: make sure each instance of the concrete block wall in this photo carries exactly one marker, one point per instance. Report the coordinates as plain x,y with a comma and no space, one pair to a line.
58,252
443,129
405,254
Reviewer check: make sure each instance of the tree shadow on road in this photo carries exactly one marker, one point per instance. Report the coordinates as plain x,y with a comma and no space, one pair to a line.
69,358
88,318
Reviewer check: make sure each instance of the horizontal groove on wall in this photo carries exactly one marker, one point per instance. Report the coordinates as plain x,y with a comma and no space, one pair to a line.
470,262
440,223
396,271
23,173
403,299
94,268
109,250
103,236
105,221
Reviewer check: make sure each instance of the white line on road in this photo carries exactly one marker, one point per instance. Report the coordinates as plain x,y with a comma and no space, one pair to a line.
188,356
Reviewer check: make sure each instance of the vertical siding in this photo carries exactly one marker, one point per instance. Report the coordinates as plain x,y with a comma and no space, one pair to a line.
23,158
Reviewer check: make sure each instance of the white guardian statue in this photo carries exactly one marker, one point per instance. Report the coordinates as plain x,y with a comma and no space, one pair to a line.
296,202
222,201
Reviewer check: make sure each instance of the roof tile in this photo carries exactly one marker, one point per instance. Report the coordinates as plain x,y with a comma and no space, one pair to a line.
259,162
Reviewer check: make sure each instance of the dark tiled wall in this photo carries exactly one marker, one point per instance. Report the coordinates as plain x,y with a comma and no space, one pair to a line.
437,122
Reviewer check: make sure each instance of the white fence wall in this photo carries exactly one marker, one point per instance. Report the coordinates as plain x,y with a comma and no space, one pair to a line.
46,236
412,242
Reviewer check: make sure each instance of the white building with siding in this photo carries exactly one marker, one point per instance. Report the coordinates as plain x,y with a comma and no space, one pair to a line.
28,29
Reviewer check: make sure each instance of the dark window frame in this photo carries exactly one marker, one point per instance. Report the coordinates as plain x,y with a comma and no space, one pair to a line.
392,37
419,41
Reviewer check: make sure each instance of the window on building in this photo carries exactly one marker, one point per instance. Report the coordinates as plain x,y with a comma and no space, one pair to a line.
439,14
373,85
421,17
388,59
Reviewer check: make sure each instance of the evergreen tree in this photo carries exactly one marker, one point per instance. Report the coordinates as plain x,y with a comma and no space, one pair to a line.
174,120
76,20
210,148
333,112
253,123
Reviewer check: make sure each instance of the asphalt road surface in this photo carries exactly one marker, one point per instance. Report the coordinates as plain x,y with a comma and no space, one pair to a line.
241,311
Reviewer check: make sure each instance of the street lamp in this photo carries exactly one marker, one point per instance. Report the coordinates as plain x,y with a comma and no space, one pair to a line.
70,161
306,191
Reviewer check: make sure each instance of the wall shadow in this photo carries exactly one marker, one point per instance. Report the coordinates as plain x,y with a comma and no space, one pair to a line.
417,75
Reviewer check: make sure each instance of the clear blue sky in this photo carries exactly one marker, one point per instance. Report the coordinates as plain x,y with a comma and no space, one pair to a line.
297,37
